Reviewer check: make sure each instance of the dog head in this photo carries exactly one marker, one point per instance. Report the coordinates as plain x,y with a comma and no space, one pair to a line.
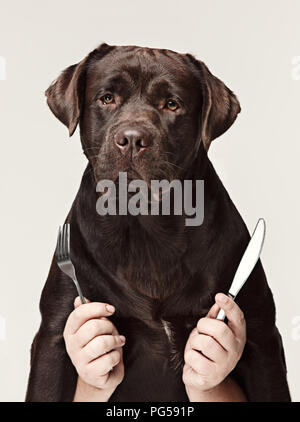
142,110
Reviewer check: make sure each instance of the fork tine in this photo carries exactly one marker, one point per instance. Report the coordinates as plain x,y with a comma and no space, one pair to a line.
58,243
61,248
64,242
68,240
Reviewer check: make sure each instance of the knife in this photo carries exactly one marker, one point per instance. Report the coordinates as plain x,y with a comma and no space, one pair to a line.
247,263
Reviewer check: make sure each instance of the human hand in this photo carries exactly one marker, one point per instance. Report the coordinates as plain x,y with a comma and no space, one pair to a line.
94,345
214,348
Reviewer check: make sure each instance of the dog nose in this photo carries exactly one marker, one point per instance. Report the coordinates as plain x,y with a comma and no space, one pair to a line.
133,139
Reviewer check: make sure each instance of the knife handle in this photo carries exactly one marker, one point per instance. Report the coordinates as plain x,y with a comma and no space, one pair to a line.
221,315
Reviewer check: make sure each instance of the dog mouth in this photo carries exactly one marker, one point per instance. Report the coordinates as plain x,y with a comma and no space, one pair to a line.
146,169
147,172
130,182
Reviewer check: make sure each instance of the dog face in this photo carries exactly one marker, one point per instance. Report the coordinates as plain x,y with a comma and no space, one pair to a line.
142,110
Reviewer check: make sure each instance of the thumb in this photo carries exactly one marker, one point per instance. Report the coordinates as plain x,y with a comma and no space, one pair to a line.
77,301
213,312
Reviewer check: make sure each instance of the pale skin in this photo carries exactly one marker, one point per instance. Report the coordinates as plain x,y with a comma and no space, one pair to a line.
212,351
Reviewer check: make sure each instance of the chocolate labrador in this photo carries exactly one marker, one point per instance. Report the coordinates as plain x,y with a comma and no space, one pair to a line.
165,108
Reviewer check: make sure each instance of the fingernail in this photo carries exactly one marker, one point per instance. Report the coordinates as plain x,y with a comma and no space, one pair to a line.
110,308
122,338
223,298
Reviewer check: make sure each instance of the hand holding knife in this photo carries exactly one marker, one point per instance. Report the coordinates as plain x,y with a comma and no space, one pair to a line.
247,263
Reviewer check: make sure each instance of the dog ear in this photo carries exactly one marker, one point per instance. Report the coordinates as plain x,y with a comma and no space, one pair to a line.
66,94
220,106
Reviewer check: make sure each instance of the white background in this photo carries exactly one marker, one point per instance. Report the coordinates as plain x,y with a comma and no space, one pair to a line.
251,46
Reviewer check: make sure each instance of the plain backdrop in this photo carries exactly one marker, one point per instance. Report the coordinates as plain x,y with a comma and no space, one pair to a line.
253,46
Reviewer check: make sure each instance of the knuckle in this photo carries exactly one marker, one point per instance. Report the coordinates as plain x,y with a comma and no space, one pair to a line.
110,325
236,358
242,318
116,343
116,357
100,326
231,305
101,342
104,325
241,344
105,345
238,351
94,325
95,346
239,354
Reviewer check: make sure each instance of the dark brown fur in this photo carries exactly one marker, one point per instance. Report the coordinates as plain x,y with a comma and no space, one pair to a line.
152,268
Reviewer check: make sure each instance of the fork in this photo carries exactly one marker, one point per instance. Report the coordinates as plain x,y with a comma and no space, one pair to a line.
63,257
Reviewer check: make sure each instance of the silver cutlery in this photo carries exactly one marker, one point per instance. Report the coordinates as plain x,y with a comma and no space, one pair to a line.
247,263
63,257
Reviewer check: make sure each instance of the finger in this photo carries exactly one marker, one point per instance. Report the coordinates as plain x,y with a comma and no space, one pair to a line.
101,345
77,302
233,313
93,328
105,363
85,312
213,312
209,347
218,330
198,362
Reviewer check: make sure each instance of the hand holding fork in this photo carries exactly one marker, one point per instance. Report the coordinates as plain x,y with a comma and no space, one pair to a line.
92,341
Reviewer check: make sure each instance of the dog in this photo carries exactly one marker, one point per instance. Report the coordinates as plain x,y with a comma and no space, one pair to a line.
152,113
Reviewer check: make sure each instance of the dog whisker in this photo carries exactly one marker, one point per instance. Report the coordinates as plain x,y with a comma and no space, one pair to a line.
172,164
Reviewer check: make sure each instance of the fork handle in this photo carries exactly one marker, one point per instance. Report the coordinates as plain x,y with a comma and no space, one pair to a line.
79,291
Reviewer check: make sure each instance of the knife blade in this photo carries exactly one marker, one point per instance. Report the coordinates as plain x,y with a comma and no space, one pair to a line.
247,263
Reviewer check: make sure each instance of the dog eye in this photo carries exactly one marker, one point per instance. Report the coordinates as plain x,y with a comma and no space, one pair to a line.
172,105
107,98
